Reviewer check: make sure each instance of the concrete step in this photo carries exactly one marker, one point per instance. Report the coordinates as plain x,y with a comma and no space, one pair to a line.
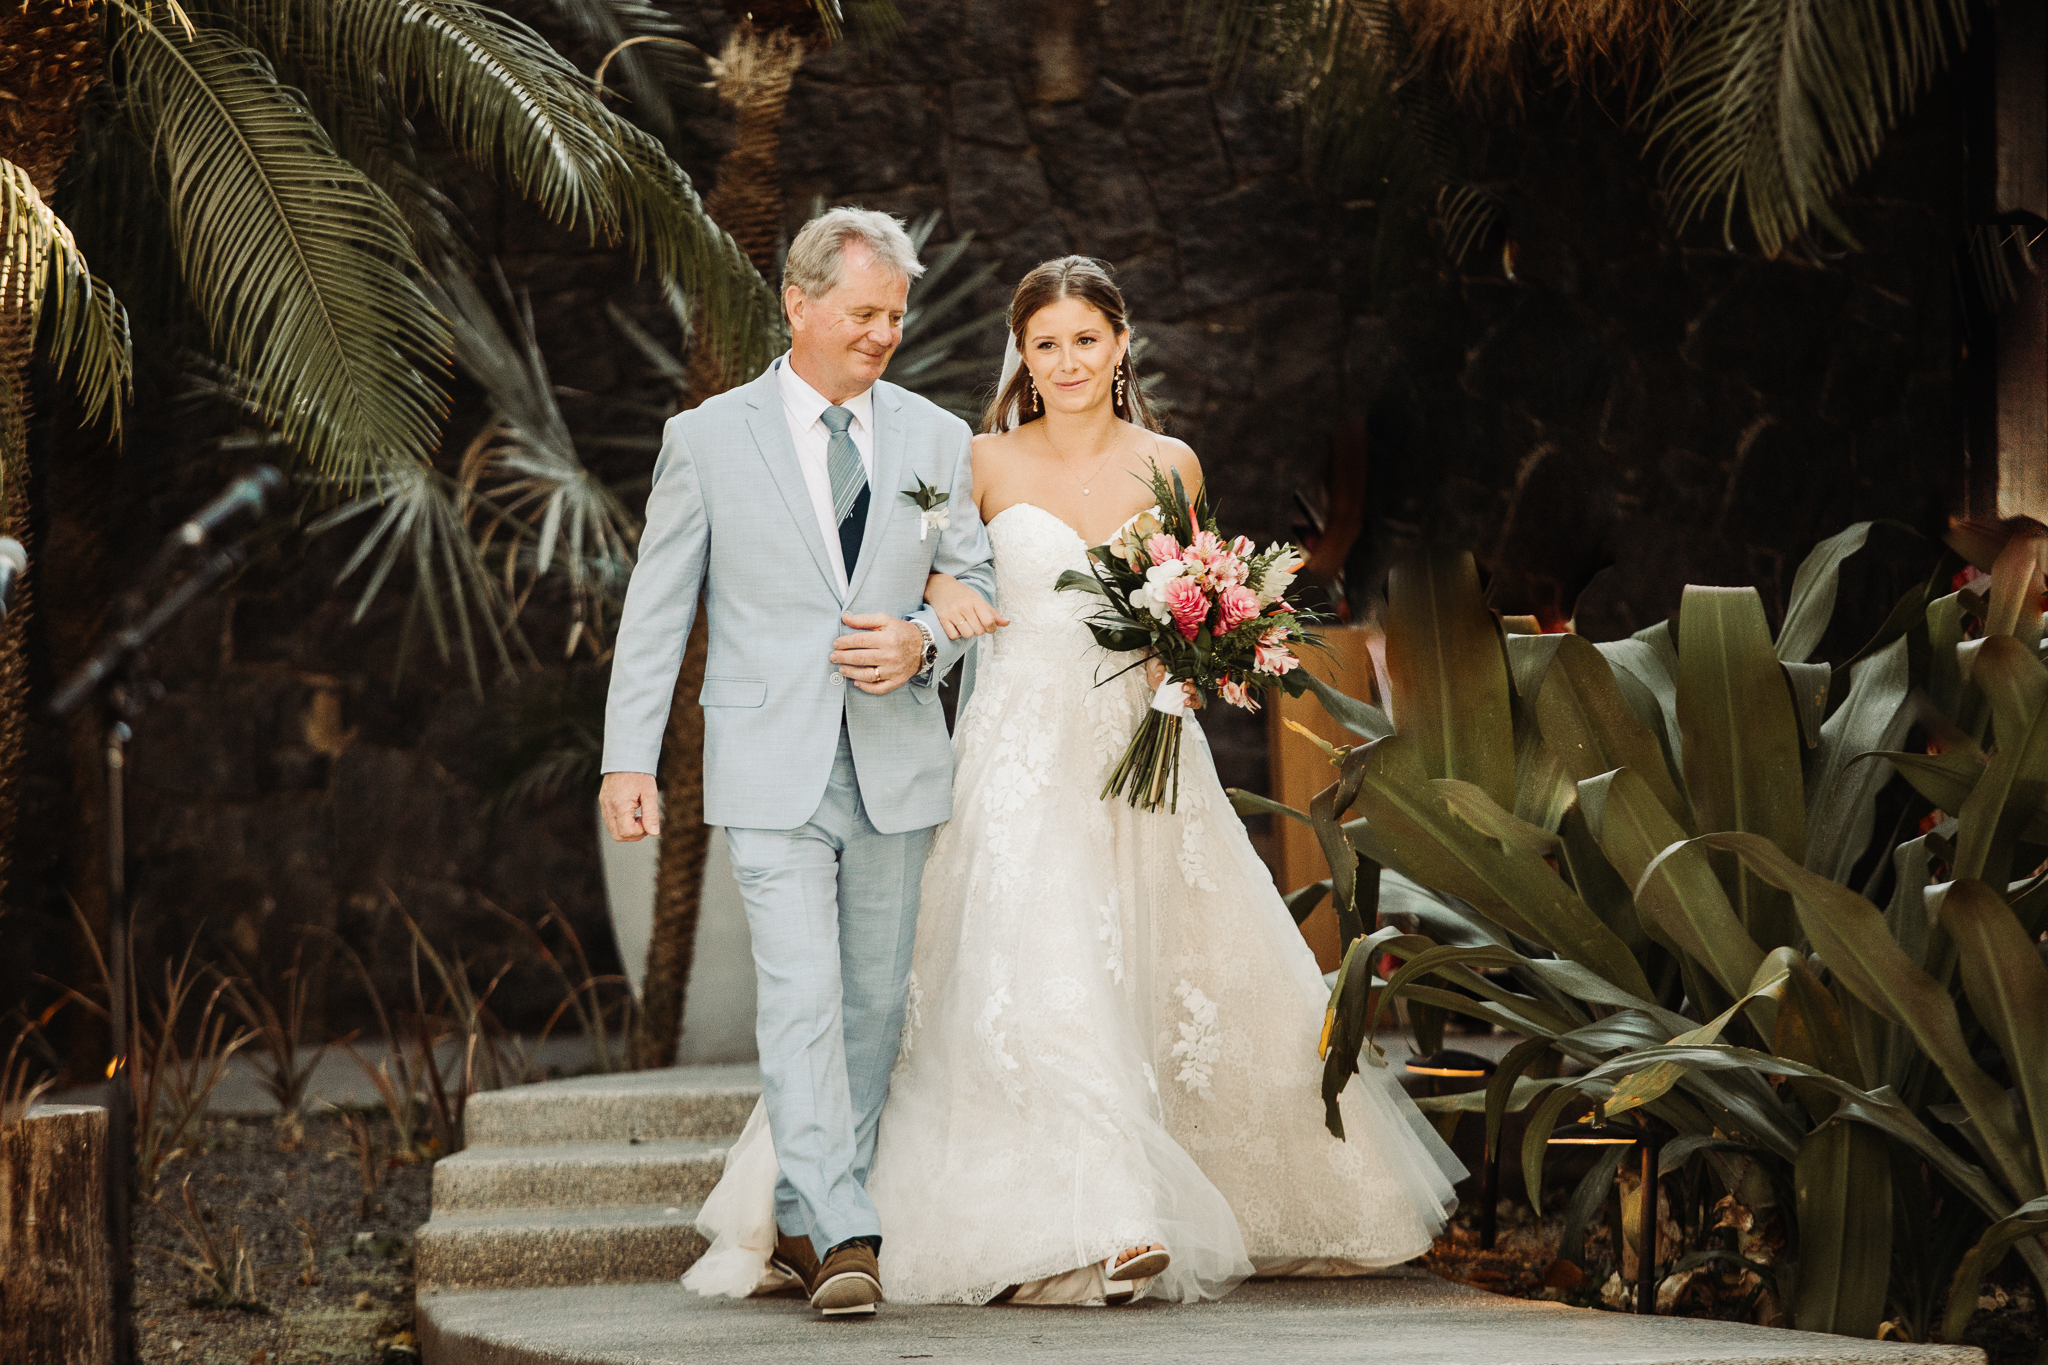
1401,1315
527,1248
681,1102
661,1172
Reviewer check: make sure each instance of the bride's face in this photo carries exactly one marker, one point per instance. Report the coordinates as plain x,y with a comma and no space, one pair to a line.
1073,353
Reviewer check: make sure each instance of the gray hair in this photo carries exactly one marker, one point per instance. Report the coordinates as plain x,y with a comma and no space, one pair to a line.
815,255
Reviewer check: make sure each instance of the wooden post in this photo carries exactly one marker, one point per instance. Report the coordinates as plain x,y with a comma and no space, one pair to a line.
56,1286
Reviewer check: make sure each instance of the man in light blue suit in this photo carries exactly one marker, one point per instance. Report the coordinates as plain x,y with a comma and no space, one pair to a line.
791,504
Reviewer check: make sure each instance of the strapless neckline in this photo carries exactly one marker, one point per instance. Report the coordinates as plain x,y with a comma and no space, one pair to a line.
1061,522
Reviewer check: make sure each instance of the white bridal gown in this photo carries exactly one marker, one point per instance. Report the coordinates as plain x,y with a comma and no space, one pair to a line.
1112,1026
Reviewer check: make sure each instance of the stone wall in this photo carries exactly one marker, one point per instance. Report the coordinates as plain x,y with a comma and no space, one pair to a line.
1624,407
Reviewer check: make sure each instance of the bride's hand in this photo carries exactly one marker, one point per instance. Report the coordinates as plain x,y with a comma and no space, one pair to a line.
1155,674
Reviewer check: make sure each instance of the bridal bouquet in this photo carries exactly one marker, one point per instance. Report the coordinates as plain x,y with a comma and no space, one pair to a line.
1215,612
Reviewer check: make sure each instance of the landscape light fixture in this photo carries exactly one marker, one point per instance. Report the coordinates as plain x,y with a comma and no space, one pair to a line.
1605,1132
1450,1062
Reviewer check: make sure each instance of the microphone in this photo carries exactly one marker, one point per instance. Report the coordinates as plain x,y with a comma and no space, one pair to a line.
13,564
249,493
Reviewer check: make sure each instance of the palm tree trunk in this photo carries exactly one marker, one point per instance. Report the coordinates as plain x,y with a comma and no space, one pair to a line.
679,876
746,201
51,54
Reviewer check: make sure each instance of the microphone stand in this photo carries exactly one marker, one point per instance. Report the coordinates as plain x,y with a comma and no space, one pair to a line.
114,677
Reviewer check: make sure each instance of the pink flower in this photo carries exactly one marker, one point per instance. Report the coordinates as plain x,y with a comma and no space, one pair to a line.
1227,571
1237,606
1162,548
1189,605
1237,694
1206,547
1243,547
1272,655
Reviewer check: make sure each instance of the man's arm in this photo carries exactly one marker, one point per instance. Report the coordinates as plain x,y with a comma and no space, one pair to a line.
661,605
964,553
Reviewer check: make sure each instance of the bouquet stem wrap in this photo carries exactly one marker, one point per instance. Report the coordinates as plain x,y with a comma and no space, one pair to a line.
1149,774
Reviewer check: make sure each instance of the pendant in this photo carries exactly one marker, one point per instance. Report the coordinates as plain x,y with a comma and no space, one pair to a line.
1086,491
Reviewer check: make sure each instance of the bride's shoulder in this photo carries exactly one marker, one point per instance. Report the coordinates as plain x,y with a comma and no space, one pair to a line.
1170,452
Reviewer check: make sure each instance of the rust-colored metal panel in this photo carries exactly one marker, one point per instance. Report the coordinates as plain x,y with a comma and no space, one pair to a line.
1300,770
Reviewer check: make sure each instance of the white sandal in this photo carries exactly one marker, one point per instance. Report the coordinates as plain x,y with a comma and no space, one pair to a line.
1142,1266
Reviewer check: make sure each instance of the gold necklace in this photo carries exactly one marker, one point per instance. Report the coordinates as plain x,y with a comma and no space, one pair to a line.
1085,490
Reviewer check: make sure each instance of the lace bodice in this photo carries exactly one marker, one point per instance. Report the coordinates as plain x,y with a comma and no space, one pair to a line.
1033,548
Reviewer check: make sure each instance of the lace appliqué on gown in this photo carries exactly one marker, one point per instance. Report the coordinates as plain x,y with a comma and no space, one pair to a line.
1115,1016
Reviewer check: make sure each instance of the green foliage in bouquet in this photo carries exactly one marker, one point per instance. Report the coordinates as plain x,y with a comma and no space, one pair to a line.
1638,856
1214,611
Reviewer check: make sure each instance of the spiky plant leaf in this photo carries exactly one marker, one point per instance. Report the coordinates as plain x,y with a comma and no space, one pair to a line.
299,264
1771,108
43,272
559,512
421,518
518,108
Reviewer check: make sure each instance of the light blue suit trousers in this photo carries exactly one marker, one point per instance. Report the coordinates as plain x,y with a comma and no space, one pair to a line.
832,905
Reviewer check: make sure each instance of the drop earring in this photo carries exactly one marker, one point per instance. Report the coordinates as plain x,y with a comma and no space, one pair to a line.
1036,401
1120,392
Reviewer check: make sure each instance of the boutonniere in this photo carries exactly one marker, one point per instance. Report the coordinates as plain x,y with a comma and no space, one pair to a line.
931,508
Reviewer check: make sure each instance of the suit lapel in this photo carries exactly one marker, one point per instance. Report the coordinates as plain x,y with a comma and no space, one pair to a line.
771,432
884,491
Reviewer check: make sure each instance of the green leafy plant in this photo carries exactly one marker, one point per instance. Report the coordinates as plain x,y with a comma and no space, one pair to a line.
1638,856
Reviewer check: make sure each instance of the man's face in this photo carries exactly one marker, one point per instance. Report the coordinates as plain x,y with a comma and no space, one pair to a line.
842,340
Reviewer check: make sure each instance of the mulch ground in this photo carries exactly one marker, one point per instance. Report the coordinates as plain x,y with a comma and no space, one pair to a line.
321,1278
1523,1264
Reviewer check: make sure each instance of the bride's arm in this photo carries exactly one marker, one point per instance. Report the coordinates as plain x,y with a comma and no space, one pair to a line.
960,608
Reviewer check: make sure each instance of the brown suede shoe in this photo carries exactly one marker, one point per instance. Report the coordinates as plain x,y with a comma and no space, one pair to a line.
848,1283
796,1261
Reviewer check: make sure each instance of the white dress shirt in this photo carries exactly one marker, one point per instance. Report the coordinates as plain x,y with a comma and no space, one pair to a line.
804,408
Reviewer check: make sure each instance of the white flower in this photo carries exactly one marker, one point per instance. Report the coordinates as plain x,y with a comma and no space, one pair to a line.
1152,596
932,519
1278,578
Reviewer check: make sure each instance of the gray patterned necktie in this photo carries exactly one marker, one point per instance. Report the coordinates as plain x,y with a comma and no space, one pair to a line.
842,462
849,485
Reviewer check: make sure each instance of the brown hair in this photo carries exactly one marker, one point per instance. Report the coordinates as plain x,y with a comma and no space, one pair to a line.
1069,277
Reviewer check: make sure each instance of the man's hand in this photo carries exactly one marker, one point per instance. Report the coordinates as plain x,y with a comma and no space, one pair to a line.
631,810
886,653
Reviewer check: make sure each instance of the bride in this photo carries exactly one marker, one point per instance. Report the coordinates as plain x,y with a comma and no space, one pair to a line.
1108,1083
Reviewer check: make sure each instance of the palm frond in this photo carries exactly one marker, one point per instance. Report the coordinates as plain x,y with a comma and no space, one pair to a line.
667,363
544,497
299,264
43,272
518,108
374,134
645,48
421,517
872,22
1771,108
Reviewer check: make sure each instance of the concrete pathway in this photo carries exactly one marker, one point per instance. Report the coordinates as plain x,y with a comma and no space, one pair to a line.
558,1235
1404,1318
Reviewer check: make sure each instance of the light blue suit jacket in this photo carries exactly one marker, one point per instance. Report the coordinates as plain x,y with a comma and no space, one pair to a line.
730,515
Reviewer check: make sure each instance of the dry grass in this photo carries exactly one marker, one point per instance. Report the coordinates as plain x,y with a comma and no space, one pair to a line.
1492,48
